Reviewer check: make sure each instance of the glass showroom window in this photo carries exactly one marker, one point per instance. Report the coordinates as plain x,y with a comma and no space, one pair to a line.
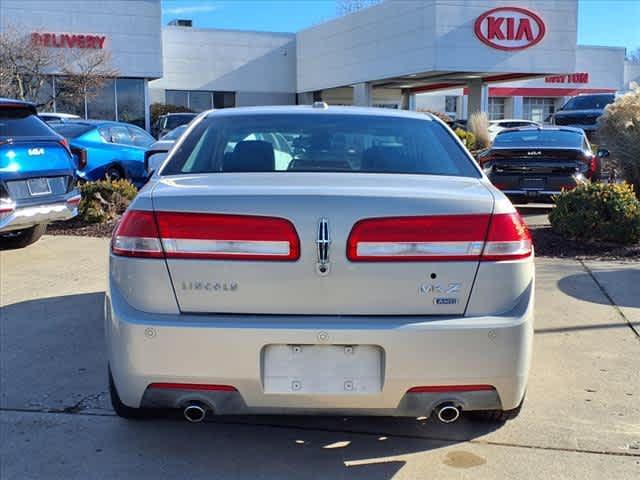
200,100
177,97
130,100
101,104
496,108
224,99
451,106
538,109
66,100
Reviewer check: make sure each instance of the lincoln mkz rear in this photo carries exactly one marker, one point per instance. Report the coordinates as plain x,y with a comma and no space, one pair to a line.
320,260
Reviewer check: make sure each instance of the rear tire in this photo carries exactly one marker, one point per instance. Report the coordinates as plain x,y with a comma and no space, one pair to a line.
115,173
22,238
120,408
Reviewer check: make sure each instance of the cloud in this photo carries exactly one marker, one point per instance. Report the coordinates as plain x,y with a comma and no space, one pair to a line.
190,9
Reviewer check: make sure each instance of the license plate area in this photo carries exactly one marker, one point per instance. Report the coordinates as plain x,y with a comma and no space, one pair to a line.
38,186
533,183
322,369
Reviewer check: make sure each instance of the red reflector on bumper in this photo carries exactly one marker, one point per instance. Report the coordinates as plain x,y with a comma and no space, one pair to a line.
194,386
451,388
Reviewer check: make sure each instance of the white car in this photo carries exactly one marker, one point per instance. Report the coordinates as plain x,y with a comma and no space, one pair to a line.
496,126
378,272
57,117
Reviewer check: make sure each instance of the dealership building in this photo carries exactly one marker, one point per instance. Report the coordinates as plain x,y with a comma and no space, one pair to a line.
512,59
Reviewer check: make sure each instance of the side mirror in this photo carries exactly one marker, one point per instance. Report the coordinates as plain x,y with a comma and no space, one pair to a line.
153,160
602,153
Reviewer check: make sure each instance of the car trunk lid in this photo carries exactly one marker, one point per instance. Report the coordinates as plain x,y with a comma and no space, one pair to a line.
306,200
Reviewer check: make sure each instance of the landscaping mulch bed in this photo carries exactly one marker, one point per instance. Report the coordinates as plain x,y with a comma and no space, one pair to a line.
547,243
550,244
78,228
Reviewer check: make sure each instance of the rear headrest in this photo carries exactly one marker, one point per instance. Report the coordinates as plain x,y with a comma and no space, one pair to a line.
251,156
386,159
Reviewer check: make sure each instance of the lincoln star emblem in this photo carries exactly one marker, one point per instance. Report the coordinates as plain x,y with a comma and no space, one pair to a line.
323,241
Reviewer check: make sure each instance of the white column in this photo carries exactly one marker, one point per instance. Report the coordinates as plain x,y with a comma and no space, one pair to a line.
362,94
412,102
474,100
147,107
518,110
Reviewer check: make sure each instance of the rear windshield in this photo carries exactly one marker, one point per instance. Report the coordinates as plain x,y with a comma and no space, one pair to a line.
320,143
174,121
70,130
20,122
588,102
175,133
538,139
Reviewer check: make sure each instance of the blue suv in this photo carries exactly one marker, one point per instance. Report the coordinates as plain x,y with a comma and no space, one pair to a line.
37,176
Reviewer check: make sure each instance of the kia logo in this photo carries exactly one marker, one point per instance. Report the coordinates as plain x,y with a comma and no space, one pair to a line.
509,28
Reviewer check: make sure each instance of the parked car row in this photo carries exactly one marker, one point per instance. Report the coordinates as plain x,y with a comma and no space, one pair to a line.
37,175
44,155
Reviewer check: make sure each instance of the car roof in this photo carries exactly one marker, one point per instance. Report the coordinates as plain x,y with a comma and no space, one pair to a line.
543,128
182,114
512,120
318,109
96,123
18,103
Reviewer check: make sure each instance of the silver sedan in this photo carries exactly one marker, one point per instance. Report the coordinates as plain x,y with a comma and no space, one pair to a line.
320,260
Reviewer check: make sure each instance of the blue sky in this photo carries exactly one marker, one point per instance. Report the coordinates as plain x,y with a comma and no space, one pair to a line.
600,22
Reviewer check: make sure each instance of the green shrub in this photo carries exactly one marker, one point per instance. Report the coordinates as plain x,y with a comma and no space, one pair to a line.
598,212
105,199
468,138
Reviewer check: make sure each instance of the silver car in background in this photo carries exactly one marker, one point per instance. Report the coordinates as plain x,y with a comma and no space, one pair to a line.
320,260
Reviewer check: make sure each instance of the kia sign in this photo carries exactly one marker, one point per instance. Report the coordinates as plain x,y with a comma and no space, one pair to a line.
509,28
68,40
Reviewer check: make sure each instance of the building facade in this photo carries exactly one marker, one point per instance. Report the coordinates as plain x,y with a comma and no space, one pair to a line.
512,59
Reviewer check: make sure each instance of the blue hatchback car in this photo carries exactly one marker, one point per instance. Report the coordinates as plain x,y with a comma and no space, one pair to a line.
37,175
107,149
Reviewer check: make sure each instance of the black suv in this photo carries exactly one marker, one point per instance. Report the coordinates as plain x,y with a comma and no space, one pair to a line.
583,111
169,121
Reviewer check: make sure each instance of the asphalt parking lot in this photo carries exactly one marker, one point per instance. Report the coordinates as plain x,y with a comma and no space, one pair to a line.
581,419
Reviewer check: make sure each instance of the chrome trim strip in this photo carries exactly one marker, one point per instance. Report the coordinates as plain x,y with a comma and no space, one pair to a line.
431,249
226,247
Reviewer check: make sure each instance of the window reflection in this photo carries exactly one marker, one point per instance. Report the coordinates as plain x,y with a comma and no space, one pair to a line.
130,96
101,104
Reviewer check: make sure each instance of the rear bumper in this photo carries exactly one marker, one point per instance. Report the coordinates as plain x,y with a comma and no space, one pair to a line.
147,348
22,216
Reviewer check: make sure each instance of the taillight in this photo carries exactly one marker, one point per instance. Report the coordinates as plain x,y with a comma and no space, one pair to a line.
508,238
432,238
137,236
440,238
81,155
65,143
74,201
231,237
593,166
204,235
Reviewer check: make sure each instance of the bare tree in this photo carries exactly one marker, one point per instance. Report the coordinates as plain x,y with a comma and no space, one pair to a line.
344,7
26,68
83,74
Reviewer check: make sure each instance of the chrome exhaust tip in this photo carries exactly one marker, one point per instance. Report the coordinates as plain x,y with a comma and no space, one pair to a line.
448,412
194,413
